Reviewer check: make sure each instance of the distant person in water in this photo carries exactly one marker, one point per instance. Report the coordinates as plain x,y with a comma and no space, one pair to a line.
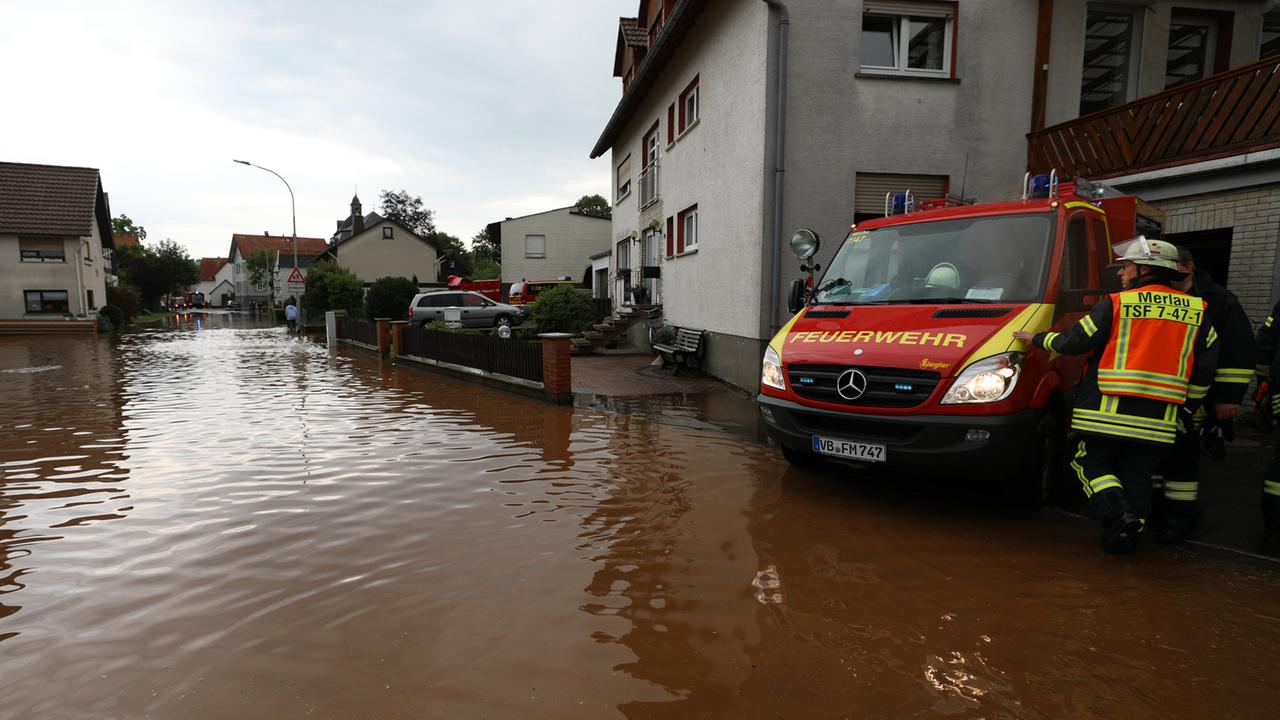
291,316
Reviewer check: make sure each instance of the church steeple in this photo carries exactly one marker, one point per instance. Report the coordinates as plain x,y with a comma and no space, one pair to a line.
357,216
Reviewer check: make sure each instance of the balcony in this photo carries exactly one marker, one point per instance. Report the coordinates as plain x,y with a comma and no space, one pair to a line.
1230,113
649,184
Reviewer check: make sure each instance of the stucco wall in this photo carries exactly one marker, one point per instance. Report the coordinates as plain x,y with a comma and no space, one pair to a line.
717,165
371,256
1066,54
76,275
571,240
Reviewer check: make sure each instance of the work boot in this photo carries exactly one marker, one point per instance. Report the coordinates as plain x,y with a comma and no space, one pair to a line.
1177,522
1121,534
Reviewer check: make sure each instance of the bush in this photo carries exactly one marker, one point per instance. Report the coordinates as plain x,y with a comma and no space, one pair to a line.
563,308
332,287
664,335
390,297
124,297
112,313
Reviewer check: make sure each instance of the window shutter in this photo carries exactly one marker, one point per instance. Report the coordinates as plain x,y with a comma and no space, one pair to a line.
671,238
905,7
869,189
671,123
680,236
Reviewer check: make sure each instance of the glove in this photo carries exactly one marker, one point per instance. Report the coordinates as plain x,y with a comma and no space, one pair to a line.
1186,420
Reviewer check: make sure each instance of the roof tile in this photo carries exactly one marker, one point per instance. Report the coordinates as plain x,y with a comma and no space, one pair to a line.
47,199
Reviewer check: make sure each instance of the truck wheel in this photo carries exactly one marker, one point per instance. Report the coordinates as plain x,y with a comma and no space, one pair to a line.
799,458
1030,486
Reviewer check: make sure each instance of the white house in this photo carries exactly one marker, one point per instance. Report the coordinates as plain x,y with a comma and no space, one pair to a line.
55,242
717,156
242,246
551,244
374,247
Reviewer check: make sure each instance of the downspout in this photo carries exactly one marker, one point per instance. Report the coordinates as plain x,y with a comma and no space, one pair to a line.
779,171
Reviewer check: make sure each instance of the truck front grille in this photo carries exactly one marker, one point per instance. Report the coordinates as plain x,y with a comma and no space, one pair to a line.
886,387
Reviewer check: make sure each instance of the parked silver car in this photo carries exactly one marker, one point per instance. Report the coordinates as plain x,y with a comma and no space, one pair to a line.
475,309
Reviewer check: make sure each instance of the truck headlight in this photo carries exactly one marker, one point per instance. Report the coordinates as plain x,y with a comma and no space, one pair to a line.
986,381
771,370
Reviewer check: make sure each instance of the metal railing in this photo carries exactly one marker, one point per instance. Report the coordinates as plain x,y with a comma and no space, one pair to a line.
1230,113
649,184
361,331
510,356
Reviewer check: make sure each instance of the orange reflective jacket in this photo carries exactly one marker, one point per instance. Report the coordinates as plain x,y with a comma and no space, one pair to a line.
1149,353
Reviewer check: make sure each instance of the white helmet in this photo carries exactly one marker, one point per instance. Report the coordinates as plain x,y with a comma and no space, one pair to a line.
1141,251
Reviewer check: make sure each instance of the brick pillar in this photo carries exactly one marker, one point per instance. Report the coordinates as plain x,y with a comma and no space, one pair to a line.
384,335
557,378
397,336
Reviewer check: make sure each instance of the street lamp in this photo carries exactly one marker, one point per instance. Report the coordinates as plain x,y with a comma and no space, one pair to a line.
292,210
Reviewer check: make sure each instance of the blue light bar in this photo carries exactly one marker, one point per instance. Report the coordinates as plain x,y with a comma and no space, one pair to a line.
899,203
1040,185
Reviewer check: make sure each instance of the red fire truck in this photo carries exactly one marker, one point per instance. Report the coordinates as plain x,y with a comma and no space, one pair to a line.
903,357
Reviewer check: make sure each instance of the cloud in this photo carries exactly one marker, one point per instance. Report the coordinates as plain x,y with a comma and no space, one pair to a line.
485,109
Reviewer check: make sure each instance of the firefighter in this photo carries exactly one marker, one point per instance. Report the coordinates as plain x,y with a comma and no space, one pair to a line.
1151,362
1268,371
1180,469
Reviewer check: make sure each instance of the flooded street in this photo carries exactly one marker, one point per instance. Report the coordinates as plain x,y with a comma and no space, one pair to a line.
225,521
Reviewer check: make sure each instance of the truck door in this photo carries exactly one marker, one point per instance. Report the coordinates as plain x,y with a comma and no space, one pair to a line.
1077,271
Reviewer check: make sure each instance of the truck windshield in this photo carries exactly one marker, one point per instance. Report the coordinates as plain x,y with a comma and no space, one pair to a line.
1002,258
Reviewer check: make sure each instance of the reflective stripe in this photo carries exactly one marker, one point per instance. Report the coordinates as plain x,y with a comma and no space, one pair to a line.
1106,482
1271,487
1197,392
1213,337
1089,326
1267,323
1233,375
1141,389
1188,346
1122,342
1181,490
1123,431
1166,425
1048,340
1075,465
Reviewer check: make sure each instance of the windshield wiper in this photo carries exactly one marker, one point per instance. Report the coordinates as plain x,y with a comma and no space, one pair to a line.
944,301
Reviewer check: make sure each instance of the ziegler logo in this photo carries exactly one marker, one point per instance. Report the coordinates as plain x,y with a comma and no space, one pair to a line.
881,337
927,364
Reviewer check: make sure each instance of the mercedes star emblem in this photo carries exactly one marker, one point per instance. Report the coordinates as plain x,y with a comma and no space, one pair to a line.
851,384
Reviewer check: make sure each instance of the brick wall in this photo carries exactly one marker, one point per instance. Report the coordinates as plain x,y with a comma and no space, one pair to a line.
1253,214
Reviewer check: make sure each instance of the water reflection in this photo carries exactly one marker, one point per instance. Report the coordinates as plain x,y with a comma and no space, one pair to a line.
224,520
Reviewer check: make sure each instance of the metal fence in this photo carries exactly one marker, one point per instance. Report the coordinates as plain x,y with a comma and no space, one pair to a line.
363,331
511,356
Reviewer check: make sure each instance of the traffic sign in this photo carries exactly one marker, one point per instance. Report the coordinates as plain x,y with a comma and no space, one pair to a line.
296,280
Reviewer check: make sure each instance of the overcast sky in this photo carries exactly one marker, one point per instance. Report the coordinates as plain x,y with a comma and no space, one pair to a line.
485,108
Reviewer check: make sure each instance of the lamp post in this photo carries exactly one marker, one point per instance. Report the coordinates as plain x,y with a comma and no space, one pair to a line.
292,212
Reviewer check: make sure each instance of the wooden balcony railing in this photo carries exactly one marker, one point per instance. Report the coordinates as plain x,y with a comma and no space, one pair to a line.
1230,113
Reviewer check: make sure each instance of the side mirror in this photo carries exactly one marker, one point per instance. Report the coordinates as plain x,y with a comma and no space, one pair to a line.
1070,301
795,297
805,243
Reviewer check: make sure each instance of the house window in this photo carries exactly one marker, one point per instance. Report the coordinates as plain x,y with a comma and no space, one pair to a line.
89,296
687,227
1110,59
388,232
1270,34
47,301
908,38
43,250
624,178
1193,47
649,175
535,246
689,106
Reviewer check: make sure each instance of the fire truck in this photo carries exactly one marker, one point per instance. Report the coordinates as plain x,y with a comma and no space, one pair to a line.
902,356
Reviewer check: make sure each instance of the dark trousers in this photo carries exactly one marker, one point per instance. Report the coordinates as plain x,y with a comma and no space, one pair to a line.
1271,489
1179,468
1104,463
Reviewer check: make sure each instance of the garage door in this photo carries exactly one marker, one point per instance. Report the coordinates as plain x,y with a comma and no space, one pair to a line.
869,189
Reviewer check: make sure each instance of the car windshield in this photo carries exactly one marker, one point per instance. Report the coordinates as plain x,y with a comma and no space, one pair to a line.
980,259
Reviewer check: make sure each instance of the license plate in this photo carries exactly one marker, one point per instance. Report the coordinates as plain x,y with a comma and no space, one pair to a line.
866,452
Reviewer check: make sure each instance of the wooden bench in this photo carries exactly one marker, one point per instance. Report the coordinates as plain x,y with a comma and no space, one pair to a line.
684,349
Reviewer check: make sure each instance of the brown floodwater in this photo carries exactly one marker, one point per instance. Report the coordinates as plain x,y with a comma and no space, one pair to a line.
222,521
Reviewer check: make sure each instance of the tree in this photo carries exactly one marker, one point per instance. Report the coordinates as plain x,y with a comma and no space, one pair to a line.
332,287
390,297
261,265
485,268
457,259
563,308
483,246
595,206
124,226
157,270
409,211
